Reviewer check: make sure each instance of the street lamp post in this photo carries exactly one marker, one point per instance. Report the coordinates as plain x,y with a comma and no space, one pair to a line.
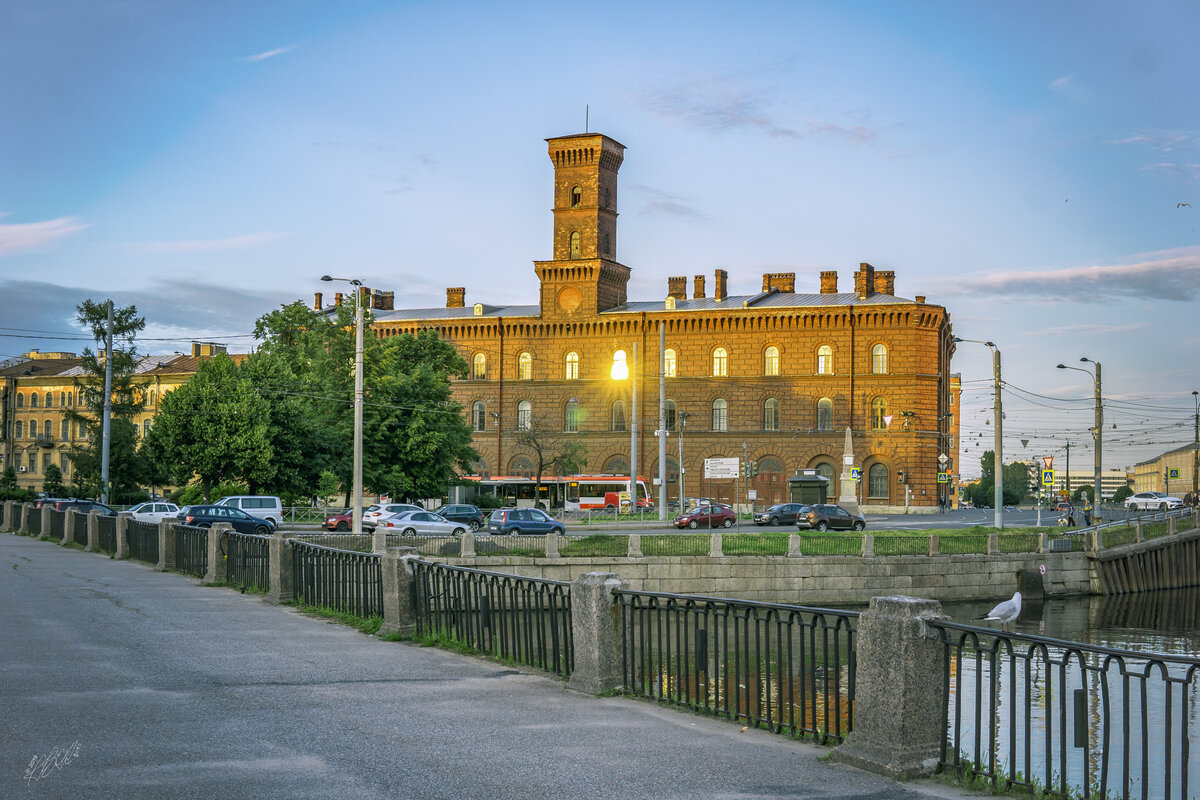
681,418
358,402
620,371
998,496
1097,433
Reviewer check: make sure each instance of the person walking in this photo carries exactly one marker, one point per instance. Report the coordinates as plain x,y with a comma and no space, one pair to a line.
1070,515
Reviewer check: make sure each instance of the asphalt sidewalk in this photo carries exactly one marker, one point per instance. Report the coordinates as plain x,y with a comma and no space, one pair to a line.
117,681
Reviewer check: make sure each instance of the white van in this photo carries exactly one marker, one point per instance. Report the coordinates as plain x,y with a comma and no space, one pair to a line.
256,505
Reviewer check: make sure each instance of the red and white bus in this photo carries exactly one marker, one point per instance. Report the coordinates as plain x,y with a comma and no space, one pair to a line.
569,492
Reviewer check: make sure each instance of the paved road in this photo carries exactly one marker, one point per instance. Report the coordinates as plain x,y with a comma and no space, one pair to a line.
155,687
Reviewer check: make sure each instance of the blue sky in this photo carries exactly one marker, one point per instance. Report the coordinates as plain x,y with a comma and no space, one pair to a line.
1020,163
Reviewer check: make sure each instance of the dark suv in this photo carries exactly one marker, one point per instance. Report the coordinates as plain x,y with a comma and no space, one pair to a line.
523,520
782,514
470,516
829,517
84,507
205,516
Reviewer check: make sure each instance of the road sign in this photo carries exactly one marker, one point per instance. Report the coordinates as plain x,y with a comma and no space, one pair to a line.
720,468
1047,477
943,477
943,458
1048,461
856,474
1173,473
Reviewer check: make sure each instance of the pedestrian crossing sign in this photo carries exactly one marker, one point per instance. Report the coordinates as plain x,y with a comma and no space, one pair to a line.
1047,477
1173,473
943,477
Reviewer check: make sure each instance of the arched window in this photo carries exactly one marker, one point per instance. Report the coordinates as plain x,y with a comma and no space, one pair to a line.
720,410
49,400
20,400
769,465
771,414
879,359
153,397
878,412
70,399
576,196
669,366
618,415
572,366
877,481
616,465
146,428
824,414
19,429
479,367
571,417
720,362
65,429
62,399
575,244
48,428
33,399
824,360
524,415
478,416
771,361
521,467
669,414
524,367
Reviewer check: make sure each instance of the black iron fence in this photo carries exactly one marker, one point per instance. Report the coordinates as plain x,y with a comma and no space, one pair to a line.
341,580
79,529
191,550
35,521
143,541
525,620
1070,719
57,524
247,560
789,669
106,534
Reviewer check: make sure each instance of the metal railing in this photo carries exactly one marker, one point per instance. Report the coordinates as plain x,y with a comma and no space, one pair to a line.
191,550
785,668
248,560
1068,718
58,522
79,531
341,580
524,620
143,541
106,534
35,521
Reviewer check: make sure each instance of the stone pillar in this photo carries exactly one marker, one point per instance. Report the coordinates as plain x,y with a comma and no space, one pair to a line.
123,520
635,546
166,545
468,545
93,536
552,545
399,611
716,545
935,545
993,544
596,631
1043,542
216,553
44,527
848,490
793,550
282,580
379,540
9,509
68,527
1096,539
898,722
868,546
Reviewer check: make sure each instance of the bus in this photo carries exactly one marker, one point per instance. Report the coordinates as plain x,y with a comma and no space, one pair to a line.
569,492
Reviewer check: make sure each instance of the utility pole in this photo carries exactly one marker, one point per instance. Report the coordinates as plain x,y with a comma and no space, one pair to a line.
1196,452
105,435
681,418
1068,471
662,422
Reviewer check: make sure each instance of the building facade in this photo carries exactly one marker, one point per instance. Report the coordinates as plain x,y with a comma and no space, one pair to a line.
1155,475
775,376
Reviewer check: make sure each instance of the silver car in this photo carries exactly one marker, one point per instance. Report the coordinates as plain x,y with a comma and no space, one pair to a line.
1152,501
424,523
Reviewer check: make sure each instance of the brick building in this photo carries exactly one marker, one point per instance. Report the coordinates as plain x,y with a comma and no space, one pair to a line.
777,376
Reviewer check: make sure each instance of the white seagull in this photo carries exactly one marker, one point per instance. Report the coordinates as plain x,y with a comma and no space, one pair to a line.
1006,612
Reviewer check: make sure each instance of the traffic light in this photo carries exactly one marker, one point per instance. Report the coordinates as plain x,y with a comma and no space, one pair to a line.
1035,478
750,469
901,477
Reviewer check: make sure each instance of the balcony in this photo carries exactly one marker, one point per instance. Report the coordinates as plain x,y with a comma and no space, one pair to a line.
45,440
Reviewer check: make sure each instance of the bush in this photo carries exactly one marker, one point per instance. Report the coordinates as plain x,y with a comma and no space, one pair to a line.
487,502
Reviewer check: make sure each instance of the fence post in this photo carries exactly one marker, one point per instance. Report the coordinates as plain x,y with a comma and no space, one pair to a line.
596,633
397,595
282,579
898,715
552,545
24,526
122,535
868,546
93,536
716,545
1097,542
166,545
9,508
1170,525
935,545
68,527
216,552
1137,531
44,529
467,545
993,544
1043,542
635,546
794,550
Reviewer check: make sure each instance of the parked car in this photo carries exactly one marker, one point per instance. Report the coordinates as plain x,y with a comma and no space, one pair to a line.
47,501
425,523
523,520
344,520
206,516
263,506
154,512
1063,506
84,507
470,516
824,517
376,513
707,517
1153,501
781,514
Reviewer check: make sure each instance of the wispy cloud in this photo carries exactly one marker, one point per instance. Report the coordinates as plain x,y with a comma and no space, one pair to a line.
20,237
1165,141
660,202
1170,169
1061,84
1165,275
278,51
1088,330
208,245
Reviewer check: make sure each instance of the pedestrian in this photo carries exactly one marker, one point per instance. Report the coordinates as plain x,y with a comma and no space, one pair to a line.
1070,515
1087,517
942,504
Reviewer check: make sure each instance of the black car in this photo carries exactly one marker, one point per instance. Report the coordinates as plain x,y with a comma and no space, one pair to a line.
823,517
782,514
206,516
470,516
84,507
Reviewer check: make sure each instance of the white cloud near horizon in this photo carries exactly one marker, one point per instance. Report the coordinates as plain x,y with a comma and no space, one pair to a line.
208,245
278,51
19,237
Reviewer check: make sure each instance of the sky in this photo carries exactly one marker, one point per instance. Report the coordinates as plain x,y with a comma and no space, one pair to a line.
1031,166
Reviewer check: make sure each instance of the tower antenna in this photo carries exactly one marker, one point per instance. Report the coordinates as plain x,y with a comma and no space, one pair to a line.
586,111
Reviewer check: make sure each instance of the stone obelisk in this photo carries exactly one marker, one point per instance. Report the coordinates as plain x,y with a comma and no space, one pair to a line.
848,494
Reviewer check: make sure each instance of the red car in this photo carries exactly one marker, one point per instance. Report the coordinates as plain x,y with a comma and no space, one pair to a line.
344,521
707,517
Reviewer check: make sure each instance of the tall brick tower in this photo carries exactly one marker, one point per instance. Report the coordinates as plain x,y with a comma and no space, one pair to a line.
584,276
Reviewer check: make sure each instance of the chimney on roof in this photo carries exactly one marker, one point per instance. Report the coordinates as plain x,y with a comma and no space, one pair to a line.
383,301
677,287
206,349
885,281
317,302
829,281
698,287
720,285
864,281
920,299
780,281
456,297
337,299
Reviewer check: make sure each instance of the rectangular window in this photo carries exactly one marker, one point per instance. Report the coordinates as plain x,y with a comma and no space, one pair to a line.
33,462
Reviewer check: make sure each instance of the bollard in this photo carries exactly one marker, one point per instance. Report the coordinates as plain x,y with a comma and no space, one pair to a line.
596,633
716,545
216,553
166,545
396,573
123,520
282,579
898,716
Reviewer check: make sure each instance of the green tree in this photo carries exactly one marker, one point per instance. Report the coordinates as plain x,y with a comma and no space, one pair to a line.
1016,479
1120,495
9,490
551,448
1084,492
52,481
